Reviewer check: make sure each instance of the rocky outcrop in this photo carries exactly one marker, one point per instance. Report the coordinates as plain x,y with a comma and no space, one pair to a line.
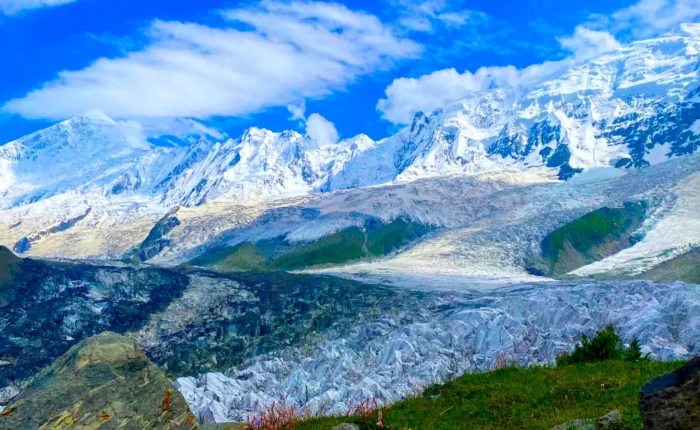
47,307
585,424
155,242
672,401
103,382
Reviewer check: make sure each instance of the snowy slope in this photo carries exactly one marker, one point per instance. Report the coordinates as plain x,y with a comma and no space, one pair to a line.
90,150
633,107
259,163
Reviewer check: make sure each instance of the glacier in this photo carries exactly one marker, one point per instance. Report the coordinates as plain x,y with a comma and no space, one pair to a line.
452,332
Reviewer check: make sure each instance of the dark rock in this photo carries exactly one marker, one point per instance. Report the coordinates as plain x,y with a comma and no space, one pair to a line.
672,401
188,323
155,242
575,425
47,307
610,421
346,426
103,382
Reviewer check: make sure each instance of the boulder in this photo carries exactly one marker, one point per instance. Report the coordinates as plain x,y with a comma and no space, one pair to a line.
346,426
575,425
104,382
672,401
609,421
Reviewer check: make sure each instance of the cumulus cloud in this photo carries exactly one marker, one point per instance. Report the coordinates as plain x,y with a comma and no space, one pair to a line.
10,7
648,18
406,96
317,127
271,54
321,130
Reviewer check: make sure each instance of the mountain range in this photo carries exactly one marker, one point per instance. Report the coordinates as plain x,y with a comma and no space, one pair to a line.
505,224
93,187
630,108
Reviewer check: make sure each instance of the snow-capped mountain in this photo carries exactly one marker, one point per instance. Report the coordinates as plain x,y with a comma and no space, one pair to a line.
629,108
93,153
260,162
90,150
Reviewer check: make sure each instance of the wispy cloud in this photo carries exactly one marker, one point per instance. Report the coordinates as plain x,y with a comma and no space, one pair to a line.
11,7
431,15
406,96
649,17
271,54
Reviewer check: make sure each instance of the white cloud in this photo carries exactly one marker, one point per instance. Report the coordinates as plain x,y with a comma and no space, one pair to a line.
317,127
10,7
179,127
585,43
297,111
406,96
650,17
321,130
286,52
425,15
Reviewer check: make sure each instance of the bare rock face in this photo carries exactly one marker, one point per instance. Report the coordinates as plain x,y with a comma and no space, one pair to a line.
672,401
104,382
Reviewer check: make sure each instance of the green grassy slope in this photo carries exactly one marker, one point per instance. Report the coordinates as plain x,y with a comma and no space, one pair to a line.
350,245
345,246
395,235
240,258
684,268
522,398
599,234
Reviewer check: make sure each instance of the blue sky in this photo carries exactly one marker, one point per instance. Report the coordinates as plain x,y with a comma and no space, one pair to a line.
180,67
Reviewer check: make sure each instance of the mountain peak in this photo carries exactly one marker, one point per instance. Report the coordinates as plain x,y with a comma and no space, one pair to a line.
94,115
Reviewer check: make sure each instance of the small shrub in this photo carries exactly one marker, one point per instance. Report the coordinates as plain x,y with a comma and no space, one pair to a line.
278,417
634,352
605,345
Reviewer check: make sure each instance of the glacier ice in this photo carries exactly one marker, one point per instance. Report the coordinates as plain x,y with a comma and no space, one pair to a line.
454,332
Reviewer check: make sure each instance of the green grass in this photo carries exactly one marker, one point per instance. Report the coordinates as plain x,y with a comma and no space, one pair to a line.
350,245
240,258
590,238
392,236
345,246
521,398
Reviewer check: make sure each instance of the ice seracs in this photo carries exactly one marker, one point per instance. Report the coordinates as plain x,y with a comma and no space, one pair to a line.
450,334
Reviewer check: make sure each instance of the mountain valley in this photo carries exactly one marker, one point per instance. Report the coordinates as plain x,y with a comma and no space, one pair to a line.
271,267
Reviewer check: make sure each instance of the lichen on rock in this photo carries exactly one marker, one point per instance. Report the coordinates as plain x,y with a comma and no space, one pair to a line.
104,382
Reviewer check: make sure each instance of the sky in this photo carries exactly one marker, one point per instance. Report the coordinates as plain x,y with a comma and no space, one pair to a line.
176,69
